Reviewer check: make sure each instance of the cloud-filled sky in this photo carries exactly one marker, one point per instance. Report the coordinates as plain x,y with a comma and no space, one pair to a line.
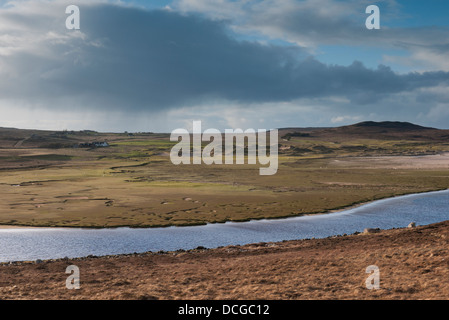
158,65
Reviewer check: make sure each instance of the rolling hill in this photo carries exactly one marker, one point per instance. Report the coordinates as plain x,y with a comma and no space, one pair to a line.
386,130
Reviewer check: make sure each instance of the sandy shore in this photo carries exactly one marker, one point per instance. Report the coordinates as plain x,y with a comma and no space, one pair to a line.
437,161
413,264
16,227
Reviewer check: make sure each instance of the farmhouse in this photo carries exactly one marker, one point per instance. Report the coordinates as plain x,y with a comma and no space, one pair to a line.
95,144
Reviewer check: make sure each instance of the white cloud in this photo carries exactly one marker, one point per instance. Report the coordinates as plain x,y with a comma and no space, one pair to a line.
346,119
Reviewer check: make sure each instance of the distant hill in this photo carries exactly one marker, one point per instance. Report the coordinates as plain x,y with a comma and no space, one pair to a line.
28,138
394,125
385,130
388,130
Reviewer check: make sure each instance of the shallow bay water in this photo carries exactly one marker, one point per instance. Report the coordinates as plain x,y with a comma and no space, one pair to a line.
20,244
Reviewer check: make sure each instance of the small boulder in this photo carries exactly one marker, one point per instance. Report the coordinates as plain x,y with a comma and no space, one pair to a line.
371,230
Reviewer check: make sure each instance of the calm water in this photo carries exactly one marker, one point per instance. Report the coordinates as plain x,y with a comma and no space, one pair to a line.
49,243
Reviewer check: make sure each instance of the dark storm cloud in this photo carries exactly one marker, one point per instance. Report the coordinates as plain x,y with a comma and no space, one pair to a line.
134,59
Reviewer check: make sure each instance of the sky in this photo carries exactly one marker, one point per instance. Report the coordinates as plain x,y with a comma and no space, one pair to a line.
159,65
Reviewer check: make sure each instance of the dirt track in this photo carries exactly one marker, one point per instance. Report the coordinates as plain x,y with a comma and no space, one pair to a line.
413,263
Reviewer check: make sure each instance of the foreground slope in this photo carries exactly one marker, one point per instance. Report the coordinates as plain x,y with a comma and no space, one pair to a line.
413,264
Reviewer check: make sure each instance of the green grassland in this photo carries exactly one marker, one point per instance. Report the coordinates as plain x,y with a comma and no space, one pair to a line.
133,182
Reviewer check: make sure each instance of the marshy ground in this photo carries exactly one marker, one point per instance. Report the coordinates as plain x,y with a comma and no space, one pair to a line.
46,182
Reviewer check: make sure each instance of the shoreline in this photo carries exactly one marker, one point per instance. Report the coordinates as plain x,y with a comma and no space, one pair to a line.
245,243
349,207
411,261
212,249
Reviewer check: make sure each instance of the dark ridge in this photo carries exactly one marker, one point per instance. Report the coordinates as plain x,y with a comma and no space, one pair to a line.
385,130
390,125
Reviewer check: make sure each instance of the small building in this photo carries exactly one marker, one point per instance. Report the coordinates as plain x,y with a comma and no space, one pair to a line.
95,144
